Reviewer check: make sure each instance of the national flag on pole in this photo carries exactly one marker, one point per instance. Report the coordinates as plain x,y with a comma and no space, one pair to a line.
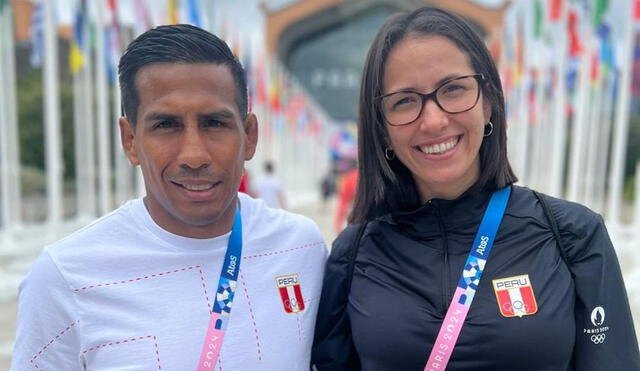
599,11
575,44
172,12
144,21
538,19
555,10
112,40
37,37
193,12
76,49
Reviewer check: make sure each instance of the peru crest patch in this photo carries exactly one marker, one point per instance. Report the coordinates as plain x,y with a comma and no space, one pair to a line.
515,296
290,293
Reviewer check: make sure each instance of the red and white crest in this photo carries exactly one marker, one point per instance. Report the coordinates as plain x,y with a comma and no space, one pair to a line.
290,293
515,296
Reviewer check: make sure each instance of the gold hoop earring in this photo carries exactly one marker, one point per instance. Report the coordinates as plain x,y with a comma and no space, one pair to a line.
490,126
389,154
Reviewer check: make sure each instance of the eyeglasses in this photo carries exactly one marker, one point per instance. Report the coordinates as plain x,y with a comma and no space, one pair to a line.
453,96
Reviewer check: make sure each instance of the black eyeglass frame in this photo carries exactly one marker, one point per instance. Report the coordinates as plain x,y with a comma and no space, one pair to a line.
432,95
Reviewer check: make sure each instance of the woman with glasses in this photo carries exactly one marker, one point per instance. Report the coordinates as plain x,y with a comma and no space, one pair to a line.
447,264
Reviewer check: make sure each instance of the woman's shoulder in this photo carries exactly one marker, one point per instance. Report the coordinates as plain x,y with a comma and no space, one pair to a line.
571,217
344,245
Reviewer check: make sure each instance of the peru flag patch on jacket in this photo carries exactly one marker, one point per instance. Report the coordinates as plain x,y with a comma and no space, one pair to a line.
515,296
290,293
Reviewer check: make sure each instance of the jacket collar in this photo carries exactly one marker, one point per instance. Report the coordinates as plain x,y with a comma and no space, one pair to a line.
461,214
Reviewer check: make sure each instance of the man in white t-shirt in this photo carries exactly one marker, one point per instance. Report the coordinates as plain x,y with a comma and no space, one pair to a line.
152,285
270,189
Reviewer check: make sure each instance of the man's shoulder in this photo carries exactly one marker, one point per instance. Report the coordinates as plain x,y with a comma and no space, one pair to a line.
277,228
116,225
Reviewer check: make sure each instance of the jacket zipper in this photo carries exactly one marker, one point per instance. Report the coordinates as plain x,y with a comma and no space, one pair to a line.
445,254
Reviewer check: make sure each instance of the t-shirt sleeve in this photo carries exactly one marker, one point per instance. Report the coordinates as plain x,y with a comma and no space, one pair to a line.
333,348
605,335
47,326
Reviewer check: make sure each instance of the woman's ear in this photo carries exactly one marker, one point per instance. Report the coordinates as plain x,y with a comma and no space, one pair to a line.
486,108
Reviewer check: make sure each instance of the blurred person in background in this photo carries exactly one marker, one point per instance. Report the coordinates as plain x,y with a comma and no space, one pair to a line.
151,285
446,263
346,194
245,183
269,188
327,188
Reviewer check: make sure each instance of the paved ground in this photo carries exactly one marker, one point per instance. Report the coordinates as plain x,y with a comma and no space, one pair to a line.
13,266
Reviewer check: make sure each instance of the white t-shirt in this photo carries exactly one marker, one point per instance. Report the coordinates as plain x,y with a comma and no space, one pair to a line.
269,189
122,293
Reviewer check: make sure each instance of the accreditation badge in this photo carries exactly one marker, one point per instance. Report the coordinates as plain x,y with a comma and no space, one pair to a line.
290,293
515,296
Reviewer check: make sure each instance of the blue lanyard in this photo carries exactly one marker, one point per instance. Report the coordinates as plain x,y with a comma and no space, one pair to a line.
230,269
224,298
469,281
483,242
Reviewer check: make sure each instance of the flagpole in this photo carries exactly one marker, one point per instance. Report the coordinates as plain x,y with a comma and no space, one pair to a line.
11,155
53,150
636,218
104,160
578,139
559,119
123,171
621,123
78,137
89,142
5,210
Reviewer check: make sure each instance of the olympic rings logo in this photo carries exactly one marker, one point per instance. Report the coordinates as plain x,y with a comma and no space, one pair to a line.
598,338
291,304
516,307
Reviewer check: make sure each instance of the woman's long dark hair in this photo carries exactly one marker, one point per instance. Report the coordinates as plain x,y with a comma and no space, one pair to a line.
385,186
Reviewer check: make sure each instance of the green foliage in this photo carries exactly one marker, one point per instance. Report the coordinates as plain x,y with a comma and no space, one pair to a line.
31,121
33,181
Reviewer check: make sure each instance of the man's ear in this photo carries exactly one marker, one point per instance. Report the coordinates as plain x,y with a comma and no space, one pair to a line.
251,133
128,139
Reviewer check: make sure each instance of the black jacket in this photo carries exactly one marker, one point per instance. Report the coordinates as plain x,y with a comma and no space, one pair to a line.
407,268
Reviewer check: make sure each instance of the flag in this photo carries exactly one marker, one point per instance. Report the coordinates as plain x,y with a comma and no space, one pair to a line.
260,83
575,44
37,36
555,9
144,21
274,90
112,41
635,86
172,11
537,25
76,49
194,13
599,11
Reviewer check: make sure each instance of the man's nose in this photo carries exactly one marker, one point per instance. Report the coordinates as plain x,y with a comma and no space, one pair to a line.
193,149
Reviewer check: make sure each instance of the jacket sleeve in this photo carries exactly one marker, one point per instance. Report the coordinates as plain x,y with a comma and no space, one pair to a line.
333,348
605,335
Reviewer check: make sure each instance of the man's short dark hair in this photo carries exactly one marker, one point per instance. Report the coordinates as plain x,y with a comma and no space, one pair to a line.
176,44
